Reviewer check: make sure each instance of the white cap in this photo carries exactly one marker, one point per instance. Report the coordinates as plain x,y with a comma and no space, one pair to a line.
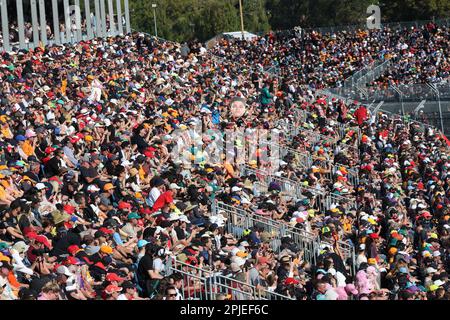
431,270
64,270
93,188
174,186
183,218
235,189
362,246
439,282
40,186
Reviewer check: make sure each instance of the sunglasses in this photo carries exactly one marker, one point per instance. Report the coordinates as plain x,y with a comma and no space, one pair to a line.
172,295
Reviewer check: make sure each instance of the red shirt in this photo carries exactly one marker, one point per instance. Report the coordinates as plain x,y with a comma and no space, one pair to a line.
164,199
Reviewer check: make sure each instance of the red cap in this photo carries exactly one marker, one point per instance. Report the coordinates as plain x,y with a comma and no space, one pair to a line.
124,205
113,277
374,235
112,288
145,211
73,249
49,150
106,230
69,209
426,214
300,220
290,281
71,260
100,265
75,139
57,179
43,240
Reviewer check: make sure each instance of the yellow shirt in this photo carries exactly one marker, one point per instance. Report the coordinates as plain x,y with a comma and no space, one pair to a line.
2,193
27,148
6,132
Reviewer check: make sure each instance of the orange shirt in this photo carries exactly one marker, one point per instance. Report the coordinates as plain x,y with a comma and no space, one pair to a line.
229,168
13,280
2,193
27,148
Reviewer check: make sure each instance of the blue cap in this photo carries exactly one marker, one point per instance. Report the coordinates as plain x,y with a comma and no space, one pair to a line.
20,138
403,270
142,243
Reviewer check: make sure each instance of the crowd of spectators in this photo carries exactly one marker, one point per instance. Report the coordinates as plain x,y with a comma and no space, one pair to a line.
94,203
327,59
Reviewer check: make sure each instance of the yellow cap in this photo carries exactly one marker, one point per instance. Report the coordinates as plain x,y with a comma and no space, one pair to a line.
106,249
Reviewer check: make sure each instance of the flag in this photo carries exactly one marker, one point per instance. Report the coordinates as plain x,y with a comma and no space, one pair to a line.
446,139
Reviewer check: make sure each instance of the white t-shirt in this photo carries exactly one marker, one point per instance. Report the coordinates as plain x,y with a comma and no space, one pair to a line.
360,259
154,195
122,297
158,265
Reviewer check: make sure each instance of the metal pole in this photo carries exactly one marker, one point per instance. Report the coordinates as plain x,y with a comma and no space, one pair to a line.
242,19
35,23
56,31
87,8
112,26
440,111
98,19
20,24
78,31
154,19
67,21
119,16
5,24
103,17
43,22
127,17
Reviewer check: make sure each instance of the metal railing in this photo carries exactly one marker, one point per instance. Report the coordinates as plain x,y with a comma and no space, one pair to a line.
203,284
368,75
239,220
322,200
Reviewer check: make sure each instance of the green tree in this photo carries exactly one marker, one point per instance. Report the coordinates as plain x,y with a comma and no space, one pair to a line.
255,16
408,10
285,14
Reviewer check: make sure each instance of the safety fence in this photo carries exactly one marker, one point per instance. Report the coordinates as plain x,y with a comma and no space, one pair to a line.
322,200
362,78
291,130
203,284
239,220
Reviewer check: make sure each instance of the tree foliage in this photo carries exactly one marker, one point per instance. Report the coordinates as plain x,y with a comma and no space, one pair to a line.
183,20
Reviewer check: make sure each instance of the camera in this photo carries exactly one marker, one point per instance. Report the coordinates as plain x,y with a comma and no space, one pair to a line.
40,252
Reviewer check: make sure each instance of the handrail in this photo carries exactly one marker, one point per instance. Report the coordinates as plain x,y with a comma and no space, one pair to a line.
218,282
307,241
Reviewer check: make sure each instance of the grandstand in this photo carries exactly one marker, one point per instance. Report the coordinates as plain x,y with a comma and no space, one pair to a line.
96,203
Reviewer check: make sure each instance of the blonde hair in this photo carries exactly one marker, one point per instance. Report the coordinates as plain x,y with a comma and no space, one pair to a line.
50,287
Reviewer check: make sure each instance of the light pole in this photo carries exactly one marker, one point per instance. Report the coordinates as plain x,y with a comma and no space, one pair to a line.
242,18
154,18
